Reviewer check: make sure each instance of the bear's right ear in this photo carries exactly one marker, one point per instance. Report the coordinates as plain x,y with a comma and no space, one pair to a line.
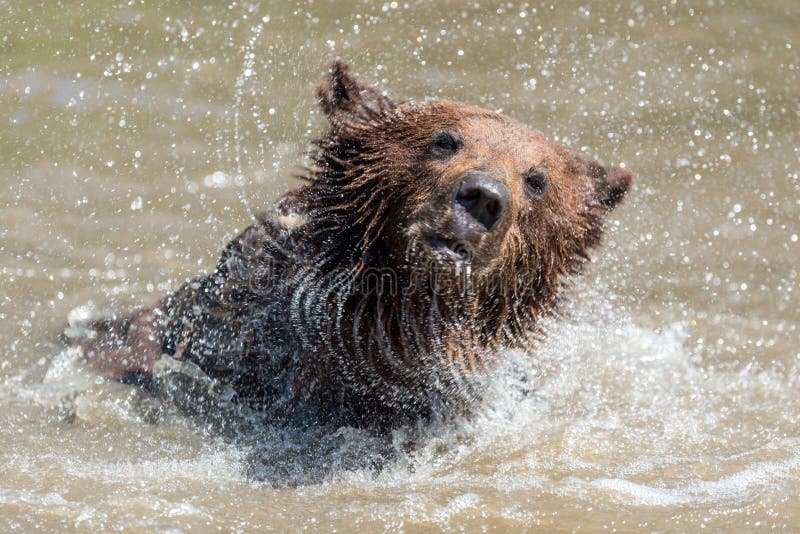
342,97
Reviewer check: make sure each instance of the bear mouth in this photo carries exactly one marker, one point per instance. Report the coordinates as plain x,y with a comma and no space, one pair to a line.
451,249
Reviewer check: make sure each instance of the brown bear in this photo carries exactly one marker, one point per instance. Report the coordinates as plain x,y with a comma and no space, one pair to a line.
426,238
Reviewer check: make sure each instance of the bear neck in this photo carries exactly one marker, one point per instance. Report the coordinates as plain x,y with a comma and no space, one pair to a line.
398,354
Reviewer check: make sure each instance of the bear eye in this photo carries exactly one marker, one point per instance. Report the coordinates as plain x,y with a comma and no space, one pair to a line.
536,181
445,144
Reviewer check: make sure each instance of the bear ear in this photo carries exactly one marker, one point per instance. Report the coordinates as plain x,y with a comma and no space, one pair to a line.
341,96
611,185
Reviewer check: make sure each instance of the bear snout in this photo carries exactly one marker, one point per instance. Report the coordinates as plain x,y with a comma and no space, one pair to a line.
480,202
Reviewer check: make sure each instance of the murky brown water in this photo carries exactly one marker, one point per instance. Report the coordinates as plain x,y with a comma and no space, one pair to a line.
133,140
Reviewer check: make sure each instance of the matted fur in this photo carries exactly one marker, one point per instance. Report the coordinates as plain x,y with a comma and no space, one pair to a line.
336,308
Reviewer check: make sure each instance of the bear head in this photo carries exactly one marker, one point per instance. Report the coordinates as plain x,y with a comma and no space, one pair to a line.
480,214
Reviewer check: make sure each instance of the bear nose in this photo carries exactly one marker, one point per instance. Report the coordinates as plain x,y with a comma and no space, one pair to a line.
483,198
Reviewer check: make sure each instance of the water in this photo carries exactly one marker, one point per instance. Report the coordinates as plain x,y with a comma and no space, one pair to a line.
137,139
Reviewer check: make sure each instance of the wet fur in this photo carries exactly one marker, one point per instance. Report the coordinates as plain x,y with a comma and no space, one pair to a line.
297,318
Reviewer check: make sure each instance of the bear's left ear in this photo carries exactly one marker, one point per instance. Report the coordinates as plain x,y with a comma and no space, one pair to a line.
342,97
610,185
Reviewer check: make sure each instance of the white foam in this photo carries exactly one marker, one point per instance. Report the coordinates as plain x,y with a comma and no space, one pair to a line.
740,486
66,376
